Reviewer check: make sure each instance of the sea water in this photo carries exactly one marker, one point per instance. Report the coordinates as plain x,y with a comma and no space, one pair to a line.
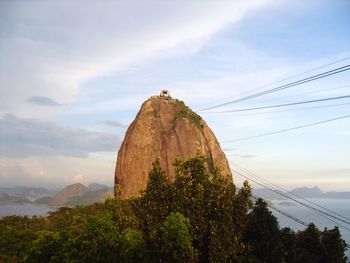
340,206
24,210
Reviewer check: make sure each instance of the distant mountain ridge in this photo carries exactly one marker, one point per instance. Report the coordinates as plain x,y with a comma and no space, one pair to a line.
305,192
96,186
69,192
91,197
29,193
98,192
76,194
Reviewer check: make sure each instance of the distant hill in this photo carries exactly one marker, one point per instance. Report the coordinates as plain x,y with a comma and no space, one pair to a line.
91,197
311,192
76,194
8,198
43,200
337,195
24,190
26,194
96,186
305,192
4,196
69,192
266,193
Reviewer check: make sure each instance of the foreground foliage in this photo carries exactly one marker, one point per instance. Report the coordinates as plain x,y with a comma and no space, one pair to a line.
198,217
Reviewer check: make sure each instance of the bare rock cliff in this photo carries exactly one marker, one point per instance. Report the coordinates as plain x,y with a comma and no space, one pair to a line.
163,128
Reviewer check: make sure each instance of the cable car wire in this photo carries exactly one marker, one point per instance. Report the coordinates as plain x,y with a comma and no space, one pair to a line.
320,212
286,130
283,87
296,109
294,76
282,105
291,193
283,213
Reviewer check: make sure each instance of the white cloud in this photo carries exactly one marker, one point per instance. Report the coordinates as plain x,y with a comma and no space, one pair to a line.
116,124
11,173
43,101
57,171
30,137
79,178
14,173
50,48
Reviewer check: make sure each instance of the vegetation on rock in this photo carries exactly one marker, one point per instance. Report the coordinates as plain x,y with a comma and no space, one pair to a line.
185,112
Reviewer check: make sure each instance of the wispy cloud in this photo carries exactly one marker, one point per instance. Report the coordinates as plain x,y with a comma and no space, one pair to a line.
116,124
43,101
244,156
55,49
30,137
12,173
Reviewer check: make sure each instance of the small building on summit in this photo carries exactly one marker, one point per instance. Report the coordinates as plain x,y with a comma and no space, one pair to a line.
165,94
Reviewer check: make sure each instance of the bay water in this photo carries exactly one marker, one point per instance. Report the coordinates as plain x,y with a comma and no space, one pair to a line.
340,206
24,210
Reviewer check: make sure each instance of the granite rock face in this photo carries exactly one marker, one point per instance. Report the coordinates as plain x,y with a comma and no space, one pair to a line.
163,128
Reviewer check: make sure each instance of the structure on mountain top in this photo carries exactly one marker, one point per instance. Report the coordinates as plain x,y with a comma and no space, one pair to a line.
165,94
164,128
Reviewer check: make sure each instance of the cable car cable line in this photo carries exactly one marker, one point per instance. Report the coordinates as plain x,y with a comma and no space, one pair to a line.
282,105
283,87
286,130
294,76
310,70
296,109
291,193
320,212
284,213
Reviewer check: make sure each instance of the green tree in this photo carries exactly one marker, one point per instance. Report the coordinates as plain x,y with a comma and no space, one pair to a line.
215,211
177,240
45,248
16,235
119,210
289,242
309,245
224,235
100,241
333,246
262,235
8,259
191,199
154,206
133,247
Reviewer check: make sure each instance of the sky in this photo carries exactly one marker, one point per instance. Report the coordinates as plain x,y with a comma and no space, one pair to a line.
73,75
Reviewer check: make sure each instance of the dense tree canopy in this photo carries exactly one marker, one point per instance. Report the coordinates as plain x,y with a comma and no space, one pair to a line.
262,235
199,216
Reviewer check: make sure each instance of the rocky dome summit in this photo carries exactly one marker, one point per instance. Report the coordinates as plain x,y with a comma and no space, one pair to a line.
164,128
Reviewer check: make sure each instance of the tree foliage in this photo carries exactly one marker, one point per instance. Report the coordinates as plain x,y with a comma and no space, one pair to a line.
176,239
199,216
262,235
